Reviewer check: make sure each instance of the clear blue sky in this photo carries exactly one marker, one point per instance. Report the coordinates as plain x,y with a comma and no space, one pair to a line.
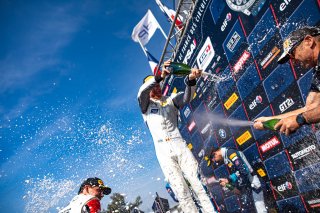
69,78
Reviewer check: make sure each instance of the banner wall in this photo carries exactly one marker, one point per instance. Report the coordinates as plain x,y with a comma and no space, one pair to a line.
243,47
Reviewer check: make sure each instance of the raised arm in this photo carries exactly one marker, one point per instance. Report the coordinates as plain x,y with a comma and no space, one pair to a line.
185,97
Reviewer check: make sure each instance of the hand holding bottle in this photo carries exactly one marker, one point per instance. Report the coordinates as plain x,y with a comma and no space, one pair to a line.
258,123
195,73
165,71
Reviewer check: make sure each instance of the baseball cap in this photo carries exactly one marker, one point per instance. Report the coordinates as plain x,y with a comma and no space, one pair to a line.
95,182
294,39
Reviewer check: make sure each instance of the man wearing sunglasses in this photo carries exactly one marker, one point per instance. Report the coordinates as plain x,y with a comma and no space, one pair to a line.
302,47
88,199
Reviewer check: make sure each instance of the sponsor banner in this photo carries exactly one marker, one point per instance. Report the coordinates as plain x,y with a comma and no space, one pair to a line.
270,144
304,152
223,133
283,9
269,54
233,41
244,138
262,32
255,102
284,186
312,200
241,61
205,54
278,81
288,101
308,178
231,101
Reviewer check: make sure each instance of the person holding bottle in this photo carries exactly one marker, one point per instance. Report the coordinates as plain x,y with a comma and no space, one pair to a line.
177,162
302,46
242,177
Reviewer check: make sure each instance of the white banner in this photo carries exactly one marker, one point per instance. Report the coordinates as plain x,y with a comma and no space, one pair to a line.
145,29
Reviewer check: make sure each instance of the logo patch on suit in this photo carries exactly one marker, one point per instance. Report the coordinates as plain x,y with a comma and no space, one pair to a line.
154,111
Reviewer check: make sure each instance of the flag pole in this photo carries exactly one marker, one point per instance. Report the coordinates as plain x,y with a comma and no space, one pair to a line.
143,48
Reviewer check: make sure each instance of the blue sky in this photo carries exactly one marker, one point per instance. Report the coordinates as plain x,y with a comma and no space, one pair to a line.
69,78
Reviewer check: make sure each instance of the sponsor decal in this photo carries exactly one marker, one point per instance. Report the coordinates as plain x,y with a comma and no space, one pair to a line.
283,187
286,104
302,153
232,155
166,90
269,58
222,133
244,138
255,102
270,144
190,146
237,163
261,172
242,60
171,79
284,5
314,203
225,22
232,43
154,111
206,54
233,98
190,51
205,129
187,112
191,126
174,91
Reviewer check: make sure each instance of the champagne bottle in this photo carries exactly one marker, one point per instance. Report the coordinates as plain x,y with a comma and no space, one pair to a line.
181,69
269,124
229,186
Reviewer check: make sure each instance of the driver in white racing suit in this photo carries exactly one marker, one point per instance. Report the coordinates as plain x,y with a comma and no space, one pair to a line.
176,160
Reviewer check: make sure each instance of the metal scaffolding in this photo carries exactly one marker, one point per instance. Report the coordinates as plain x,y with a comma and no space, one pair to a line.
184,11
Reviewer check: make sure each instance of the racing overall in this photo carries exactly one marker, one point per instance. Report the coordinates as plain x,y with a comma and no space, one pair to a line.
242,176
83,204
175,158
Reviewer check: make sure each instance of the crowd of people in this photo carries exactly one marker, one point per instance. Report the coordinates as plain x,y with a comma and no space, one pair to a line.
177,162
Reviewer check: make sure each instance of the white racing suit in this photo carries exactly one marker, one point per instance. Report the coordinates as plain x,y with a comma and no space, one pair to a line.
175,158
77,204
242,175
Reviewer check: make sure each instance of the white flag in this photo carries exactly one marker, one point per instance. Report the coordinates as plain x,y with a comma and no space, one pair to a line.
145,29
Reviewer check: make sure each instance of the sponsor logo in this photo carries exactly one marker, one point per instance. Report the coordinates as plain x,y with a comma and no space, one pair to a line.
242,60
154,111
314,203
283,187
273,142
233,98
244,137
190,146
225,22
222,133
232,155
232,43
261,172
187,112
191,126
190,51
269,58
303,153
171,79
286,104
206,54
205,129
255,102
284,5
165,92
